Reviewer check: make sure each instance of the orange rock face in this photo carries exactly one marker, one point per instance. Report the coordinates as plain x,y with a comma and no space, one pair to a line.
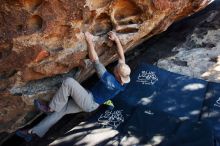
44,38
57,26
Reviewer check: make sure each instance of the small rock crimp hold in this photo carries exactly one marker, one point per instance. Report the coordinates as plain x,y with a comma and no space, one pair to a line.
41,56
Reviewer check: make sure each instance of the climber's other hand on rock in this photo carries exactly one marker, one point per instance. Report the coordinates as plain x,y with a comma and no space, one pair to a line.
112,36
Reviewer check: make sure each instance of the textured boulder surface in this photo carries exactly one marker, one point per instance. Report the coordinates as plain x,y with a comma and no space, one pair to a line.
198,56
42,42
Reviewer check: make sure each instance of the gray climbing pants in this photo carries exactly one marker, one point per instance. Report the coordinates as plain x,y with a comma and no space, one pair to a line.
81,100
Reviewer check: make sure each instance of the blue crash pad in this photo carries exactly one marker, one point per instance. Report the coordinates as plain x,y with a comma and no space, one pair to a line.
211,108
155,103
175,94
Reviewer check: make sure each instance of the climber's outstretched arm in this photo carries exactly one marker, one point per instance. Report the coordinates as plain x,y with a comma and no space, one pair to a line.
91,48
99,67
120,51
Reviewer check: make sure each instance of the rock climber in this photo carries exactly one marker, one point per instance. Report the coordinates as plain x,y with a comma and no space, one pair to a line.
108,86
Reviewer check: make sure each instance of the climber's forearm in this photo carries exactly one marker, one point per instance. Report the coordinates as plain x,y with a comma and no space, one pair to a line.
92,53
91,49
120,51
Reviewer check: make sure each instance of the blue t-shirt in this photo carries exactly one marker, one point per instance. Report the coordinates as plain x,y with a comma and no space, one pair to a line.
106,88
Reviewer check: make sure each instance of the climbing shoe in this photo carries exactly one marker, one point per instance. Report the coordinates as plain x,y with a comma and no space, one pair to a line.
24,134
